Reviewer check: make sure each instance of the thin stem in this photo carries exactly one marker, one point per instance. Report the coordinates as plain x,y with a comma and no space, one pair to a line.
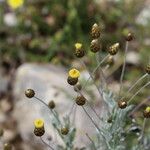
106,67
95,112
40,100
91,107
123,68
101,132
142,133
140,79
91,76
91,119
95,70
138,92
71,110
138,106
74,115
46,143
91,140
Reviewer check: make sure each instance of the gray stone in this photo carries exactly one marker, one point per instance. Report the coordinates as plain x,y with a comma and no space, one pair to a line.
49,83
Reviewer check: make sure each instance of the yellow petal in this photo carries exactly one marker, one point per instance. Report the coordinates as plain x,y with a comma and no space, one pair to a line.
15,3
74,73
38,123
78,45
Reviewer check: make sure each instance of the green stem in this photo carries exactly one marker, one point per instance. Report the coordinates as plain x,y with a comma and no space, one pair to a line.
123,68
140,79
46,143
95,70
40,100
101,132
138,92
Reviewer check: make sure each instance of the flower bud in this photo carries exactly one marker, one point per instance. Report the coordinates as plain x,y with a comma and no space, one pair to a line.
64,131
122,104
29,93
51,104
113,49
146,112
79,51
7,146
95,31
129,37
39,127
72,81
95,45
80,100
110,60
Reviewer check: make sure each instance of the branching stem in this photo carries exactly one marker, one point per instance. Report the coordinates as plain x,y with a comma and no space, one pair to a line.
140,79
138,92
40,100
46,144
100,131
95,70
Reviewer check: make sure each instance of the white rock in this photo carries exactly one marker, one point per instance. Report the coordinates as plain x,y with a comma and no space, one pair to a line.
47,81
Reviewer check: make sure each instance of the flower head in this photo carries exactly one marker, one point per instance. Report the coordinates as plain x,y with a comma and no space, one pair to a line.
78,45
146,112
14,4
113,49
74,73
38,123
147,109
29,93
95,31
79,51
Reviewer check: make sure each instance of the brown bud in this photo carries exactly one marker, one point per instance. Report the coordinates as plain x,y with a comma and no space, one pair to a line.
95,45
39,131
7,146
72,81
122,104
80,100
147,69
95,32
110,60
109,119
79,51
29,93
64,131
113,49
51,104
146,112
129,37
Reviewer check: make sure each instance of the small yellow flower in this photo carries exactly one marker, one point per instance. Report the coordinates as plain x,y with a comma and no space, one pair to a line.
14,4
147,109
146,112
74,73
78,45
38,123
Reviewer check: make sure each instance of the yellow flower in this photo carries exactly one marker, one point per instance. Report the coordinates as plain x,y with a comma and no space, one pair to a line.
38,123
78,45
14,4
147,109
74,73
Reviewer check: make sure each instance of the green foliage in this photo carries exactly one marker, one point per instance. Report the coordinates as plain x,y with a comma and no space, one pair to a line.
47,30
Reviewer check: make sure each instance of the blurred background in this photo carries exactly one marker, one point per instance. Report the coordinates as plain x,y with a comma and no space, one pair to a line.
45,31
